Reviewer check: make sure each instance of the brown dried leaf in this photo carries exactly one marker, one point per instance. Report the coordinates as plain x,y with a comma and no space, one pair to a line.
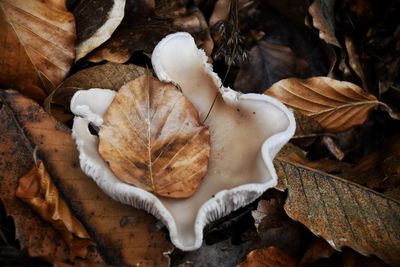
343,213
291,236
145,27
220,12
37,45
323,16
38,190
307,130
151,127
269,63
268,257
296,154
336,105
95,22
319,249
269,214
35,236
123,235
109,76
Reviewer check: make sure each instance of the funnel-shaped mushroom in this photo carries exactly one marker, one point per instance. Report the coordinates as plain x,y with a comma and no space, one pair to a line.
246,132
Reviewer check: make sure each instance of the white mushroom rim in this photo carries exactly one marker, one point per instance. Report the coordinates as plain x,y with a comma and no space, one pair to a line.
246,132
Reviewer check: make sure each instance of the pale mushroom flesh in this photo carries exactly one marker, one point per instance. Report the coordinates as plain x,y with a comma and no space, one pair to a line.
246,132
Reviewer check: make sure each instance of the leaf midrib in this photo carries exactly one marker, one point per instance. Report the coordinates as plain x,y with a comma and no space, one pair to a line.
362,103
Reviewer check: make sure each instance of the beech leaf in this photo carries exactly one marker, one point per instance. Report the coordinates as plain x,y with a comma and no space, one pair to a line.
268,257
269,63
37,45
336,105
38,190
152,138
35,236
323,17
123,235
343,213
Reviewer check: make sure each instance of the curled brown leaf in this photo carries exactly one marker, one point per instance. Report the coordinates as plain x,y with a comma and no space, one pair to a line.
38,191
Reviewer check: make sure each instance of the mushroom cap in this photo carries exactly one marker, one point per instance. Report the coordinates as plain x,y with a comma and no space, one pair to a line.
246,131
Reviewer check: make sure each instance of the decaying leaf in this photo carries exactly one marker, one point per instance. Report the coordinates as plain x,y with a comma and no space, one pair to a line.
37,45
295,154
220,12
268,257
336,105
110,75
123,235
323,17
269,214
269,63
152,138
290,236
343,213
146,25
95,22
319,249
35,236
38,191
307,130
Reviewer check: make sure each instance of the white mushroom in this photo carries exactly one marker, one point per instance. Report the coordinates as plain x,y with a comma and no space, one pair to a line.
246,130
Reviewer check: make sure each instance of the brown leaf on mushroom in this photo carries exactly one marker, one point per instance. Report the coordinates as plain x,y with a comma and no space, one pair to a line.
152,138
37,45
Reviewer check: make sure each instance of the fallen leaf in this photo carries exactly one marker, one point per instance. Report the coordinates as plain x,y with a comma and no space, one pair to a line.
336,105
38,191
146,25
323,17
319,249
350,258
110,76
291,236
269,214
220,11
37,44
296,154
343,213
307,130
269,63
268,257
130,243
355,62
35,236
167,151
95,22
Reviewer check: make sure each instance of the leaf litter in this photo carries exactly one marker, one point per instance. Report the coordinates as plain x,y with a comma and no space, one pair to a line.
353,42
